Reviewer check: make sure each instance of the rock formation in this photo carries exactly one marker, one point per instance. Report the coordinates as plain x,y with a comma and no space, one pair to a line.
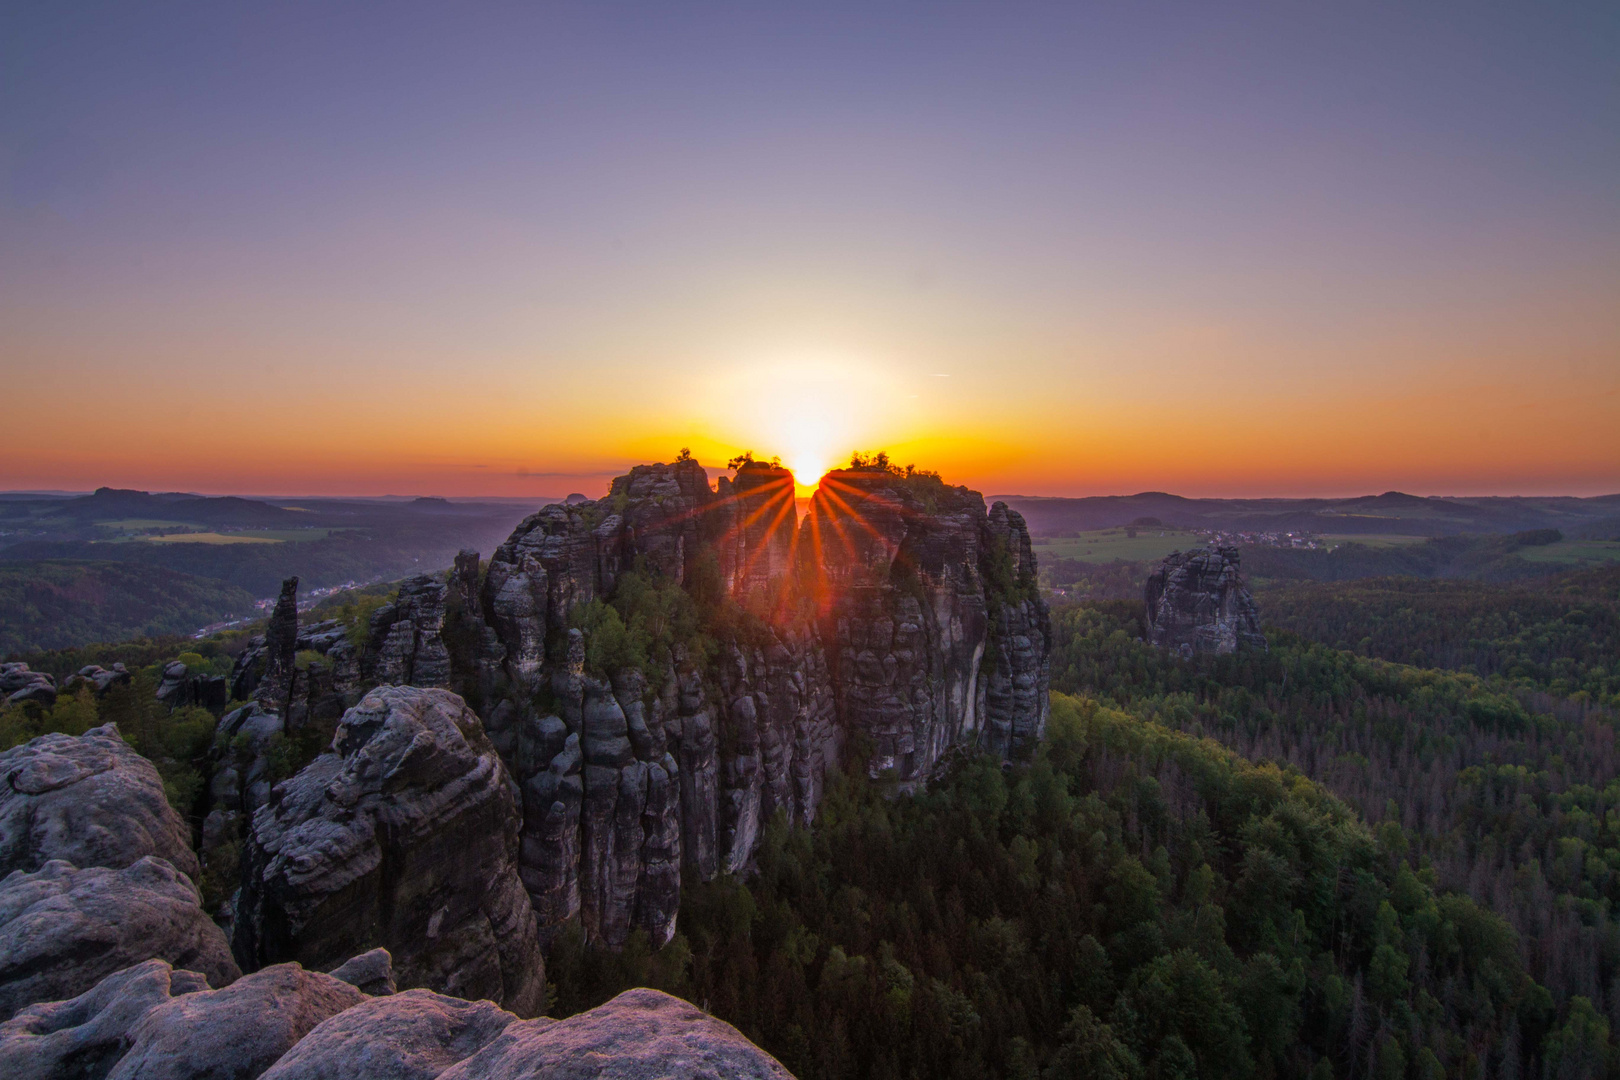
899,610
153,1021
86,1036
238,1031
1197,603
415,1035
639,1034
88,799
19,685
179,689
406,646
63,929
100,679
405,835
268,672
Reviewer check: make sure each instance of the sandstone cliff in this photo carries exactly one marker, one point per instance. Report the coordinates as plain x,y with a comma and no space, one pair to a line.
1197,603
664,669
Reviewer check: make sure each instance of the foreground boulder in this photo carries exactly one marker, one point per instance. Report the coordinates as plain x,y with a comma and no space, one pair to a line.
239,1031
64,929
85,1036
415,1035
285,1023
1197,603
639,1034
89,799
405,836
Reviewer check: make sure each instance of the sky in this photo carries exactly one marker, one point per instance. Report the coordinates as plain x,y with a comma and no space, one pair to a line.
1055,249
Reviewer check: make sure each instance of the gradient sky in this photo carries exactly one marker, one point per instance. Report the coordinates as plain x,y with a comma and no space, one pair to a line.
1048,249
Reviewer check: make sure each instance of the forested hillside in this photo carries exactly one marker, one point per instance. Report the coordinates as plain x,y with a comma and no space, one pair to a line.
1135,903
1510,796
54,604
1560,635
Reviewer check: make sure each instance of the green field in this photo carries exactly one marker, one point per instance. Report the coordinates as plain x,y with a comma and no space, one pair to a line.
1107,545
1372,540
1573,551
211,538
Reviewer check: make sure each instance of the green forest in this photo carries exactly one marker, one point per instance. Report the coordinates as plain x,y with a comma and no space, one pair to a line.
58,603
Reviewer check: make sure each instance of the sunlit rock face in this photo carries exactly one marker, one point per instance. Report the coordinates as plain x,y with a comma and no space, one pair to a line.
897,620
1197,603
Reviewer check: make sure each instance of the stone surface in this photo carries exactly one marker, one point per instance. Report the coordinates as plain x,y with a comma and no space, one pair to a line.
99,678
63,929
1197,603
406,644
285,1023
274,687
89,799
85,1036
639,1035
371,973
19,685
404,836
238,1032
414,1035
179,688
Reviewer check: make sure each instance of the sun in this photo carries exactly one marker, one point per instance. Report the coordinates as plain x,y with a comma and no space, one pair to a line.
807,469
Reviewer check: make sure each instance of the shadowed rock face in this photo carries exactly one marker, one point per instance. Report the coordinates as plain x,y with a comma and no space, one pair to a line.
406,647
88,799
405,835
899,610
1197,603
63,929
286,1023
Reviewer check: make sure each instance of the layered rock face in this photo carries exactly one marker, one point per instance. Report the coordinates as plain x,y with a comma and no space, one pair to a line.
404,835
899,610
63,929
89,800
934,629
1197,603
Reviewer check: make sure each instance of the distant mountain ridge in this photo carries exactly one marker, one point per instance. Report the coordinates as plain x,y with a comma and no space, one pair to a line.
1393,512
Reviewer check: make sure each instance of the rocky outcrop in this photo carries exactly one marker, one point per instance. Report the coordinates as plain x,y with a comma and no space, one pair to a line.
100,679
88,799
179,688
1197,603
287,1023
406,645
899,610
405,835
371,973
639,1034
84,1037
238,1031
415,1035
63,929
275,685
926,604
20,685
315,691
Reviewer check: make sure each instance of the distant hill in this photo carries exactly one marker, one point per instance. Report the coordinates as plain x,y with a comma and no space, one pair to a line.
1392,513
112,504
59,604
